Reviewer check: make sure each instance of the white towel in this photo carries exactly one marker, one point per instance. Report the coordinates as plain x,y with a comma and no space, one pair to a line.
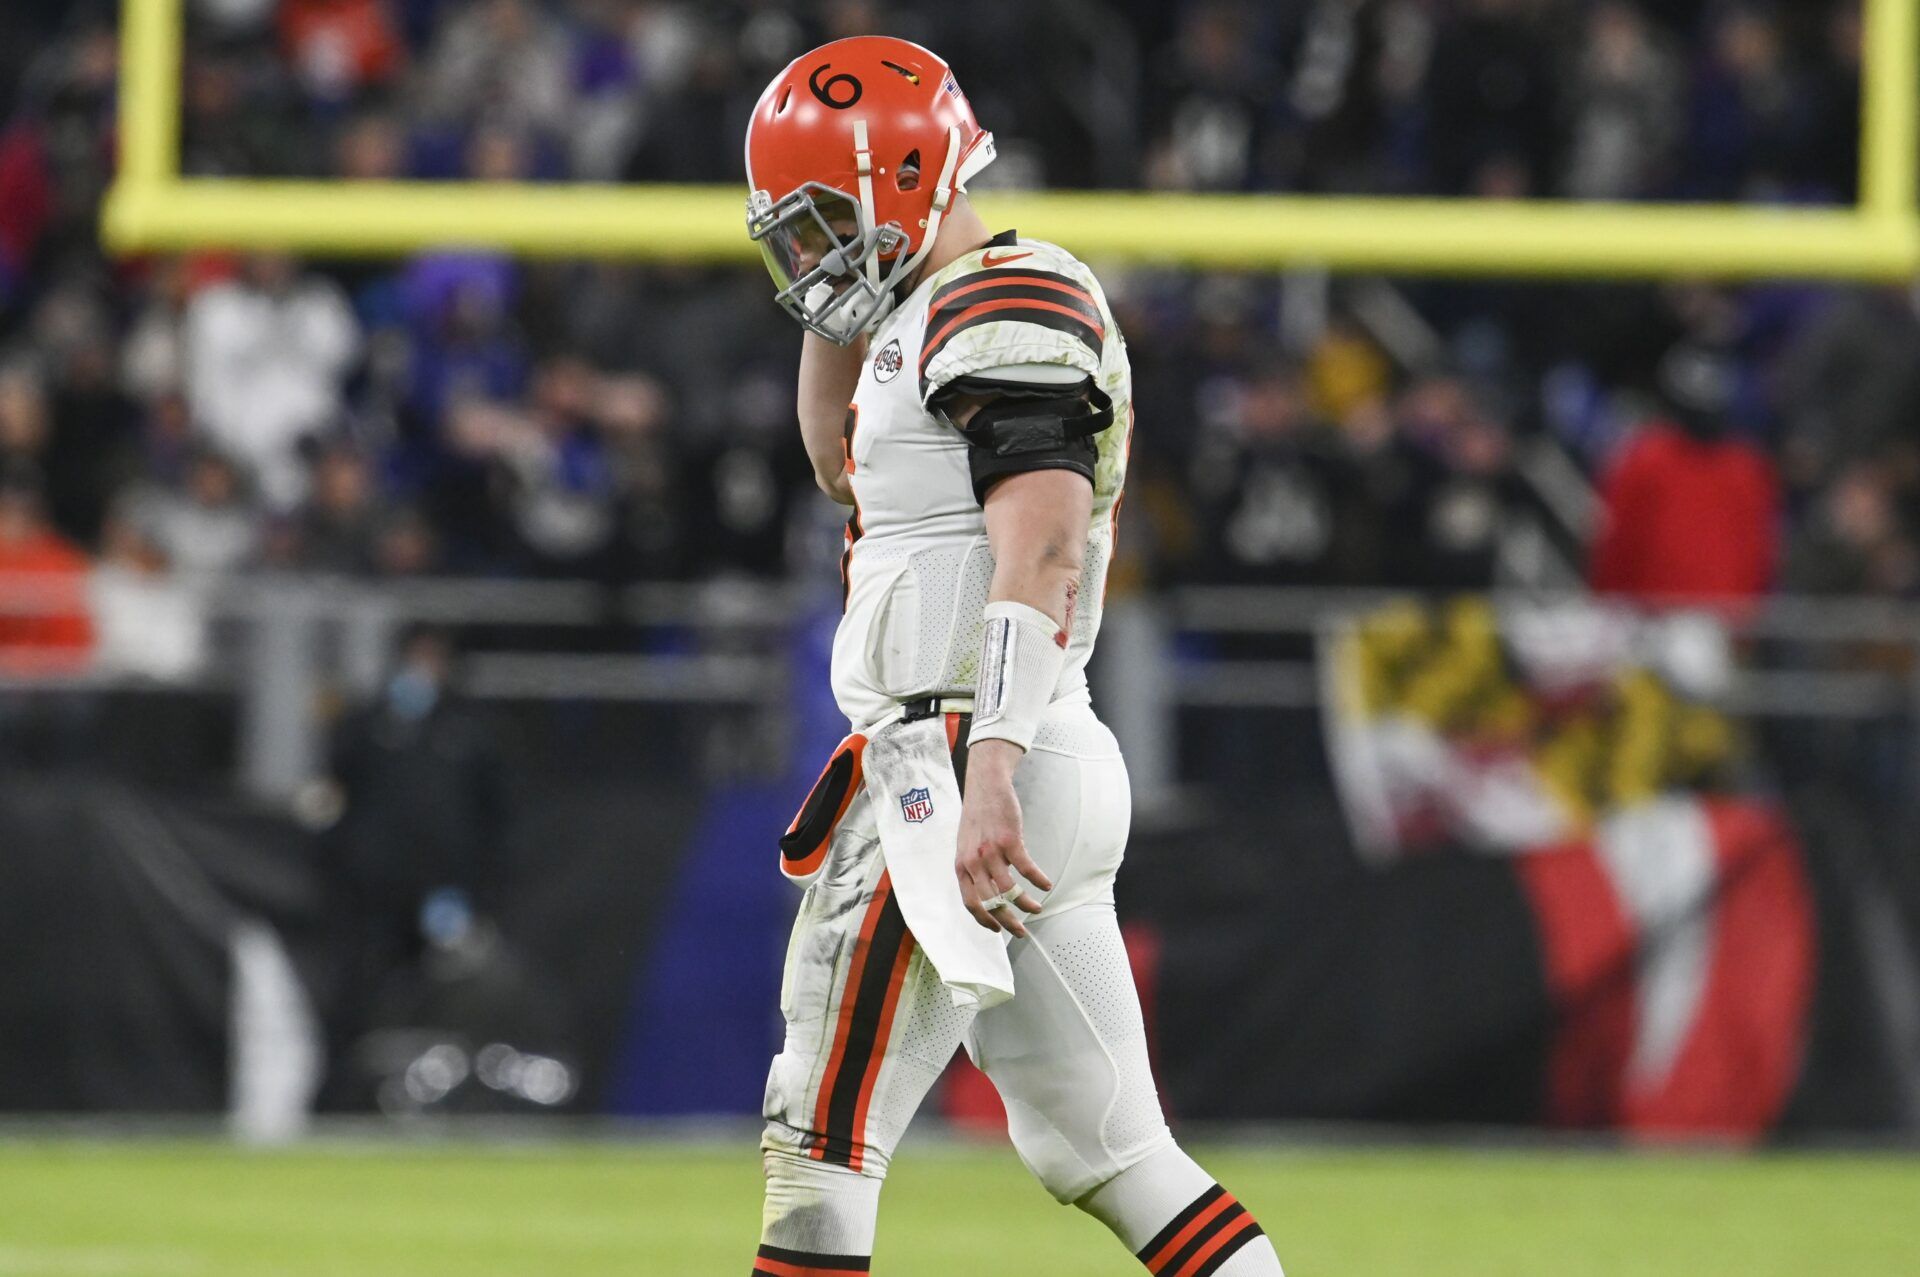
916,805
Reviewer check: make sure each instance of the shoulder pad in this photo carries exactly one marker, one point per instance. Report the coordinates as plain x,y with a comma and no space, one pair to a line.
1025,303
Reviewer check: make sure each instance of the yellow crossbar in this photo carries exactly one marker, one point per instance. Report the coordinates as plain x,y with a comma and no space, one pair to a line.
153,208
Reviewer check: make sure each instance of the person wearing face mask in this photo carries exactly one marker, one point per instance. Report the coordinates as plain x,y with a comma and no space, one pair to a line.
420,782
417,853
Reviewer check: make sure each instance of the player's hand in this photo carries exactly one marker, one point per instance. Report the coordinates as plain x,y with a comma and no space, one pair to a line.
992,847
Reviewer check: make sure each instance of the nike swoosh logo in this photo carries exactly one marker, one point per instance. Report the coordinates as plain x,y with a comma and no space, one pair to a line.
988,259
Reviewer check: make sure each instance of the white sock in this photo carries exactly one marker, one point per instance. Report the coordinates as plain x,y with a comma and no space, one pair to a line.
1256,1258
817,1216
1179,1223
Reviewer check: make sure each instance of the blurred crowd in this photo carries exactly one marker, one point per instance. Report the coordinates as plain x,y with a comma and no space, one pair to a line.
461,413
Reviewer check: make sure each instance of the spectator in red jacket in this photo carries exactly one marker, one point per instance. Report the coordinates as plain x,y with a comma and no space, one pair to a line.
340,46
1688,514
44,627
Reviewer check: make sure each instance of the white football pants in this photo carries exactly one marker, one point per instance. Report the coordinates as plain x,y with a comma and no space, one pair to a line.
870,1027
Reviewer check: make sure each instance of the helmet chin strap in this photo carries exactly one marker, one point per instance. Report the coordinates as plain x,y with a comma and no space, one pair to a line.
942,200
863,166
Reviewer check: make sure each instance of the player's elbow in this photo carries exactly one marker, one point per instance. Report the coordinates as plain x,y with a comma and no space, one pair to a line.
834,483
1061,555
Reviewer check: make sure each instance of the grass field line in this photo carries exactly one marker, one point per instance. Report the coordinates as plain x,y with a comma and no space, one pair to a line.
98,1261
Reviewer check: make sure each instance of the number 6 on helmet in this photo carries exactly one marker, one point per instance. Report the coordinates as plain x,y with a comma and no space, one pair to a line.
837,162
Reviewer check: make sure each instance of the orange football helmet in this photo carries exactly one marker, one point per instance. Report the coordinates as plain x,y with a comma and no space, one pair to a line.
853,155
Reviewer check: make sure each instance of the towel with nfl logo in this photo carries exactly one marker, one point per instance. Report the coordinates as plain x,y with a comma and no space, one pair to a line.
916,804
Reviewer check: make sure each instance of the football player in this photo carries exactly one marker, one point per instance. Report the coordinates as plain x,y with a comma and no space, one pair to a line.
983,456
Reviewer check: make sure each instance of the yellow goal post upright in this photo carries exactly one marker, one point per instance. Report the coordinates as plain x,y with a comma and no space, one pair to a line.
153,208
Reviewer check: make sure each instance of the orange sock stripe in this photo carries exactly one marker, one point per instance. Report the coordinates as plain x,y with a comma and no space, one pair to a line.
1198,1264
848,996
1179,1240
780,1268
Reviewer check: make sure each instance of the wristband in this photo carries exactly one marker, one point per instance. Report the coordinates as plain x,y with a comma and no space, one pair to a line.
1021,657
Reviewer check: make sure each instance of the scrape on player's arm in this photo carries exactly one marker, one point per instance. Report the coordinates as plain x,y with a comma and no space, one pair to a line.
1032,459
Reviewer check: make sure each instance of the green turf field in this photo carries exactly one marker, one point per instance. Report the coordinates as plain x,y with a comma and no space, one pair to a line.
161,1209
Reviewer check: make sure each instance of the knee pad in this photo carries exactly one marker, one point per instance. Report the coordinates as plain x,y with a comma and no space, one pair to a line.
1071,1163
1072,1067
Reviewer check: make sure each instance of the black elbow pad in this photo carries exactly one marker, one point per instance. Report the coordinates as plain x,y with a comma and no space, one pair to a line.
1034,429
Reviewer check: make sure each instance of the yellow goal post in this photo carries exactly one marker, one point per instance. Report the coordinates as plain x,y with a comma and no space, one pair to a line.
153,208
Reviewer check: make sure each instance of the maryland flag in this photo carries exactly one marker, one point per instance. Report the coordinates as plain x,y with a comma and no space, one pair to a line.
1672,912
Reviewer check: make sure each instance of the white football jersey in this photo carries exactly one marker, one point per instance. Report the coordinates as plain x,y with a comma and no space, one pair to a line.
917,564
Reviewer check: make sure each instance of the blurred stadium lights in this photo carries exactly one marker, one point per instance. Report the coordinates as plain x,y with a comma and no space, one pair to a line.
152,208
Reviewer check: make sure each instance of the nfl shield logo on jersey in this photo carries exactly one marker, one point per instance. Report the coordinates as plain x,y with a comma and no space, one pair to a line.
916,805
888,363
